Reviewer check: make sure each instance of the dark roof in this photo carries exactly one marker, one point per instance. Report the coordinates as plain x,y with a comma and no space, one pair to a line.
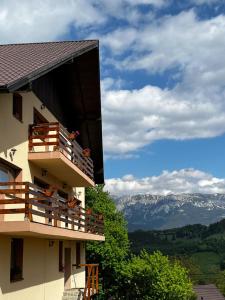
24,62
208,292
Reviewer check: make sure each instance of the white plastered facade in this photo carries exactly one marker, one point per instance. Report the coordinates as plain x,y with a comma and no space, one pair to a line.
41,277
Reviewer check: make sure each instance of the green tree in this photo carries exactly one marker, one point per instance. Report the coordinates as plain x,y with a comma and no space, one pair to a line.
112,253
155,277
146,277
220,282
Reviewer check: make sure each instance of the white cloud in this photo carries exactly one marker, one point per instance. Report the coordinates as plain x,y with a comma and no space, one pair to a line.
175,182
135,118
180,41
194,108
44,20
31,20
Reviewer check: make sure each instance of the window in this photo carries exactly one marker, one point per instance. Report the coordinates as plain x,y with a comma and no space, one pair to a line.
78,244
17,107
16,268
60,256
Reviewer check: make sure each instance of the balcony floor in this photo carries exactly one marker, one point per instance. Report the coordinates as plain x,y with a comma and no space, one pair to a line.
62,168
27,228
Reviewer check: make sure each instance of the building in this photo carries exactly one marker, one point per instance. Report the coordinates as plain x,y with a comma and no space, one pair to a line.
208,292
50,150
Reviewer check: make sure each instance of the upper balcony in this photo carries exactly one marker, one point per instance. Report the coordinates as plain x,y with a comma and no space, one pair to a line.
55,150
26,209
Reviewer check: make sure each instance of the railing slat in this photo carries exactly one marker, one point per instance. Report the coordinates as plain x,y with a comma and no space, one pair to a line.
12,211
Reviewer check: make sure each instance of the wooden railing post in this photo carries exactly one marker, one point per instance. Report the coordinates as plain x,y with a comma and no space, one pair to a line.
96,278
93,280
28,206
92,285
55,215
30,132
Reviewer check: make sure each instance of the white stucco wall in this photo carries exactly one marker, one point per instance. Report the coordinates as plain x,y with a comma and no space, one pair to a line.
42,280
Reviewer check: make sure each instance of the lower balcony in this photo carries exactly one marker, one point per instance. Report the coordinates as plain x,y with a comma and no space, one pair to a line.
26,209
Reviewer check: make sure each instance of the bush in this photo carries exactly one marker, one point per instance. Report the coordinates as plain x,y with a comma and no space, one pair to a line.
154,277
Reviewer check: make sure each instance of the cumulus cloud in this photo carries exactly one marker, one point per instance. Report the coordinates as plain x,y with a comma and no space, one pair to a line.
38,20
175,182
31,20
181,41
135,118
193,108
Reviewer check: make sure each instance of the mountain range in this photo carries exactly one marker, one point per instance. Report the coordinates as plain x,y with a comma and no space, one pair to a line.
146,212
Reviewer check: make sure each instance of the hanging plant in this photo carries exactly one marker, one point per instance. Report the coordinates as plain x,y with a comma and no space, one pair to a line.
86,152
89,211
73,135
50,191
73,202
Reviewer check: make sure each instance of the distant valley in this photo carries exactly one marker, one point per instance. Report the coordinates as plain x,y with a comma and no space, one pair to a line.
148,212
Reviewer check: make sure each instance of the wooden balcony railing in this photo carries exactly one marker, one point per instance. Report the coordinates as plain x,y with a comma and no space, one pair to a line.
32,202
91,286
52,137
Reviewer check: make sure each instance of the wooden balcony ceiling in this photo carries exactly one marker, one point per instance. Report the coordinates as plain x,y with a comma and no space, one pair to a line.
61,167
27,228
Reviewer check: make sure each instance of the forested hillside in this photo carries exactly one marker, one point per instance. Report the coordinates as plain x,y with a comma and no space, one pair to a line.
201,248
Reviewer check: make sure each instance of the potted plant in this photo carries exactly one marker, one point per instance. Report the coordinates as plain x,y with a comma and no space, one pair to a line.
89,211
50,191
86,152
73,135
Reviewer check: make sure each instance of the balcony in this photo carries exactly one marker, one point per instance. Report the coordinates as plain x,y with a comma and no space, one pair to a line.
30,210
54,149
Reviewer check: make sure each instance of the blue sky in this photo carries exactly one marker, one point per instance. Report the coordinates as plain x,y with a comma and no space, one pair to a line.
163,84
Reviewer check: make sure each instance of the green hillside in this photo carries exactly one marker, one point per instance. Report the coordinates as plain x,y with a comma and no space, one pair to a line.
200,248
